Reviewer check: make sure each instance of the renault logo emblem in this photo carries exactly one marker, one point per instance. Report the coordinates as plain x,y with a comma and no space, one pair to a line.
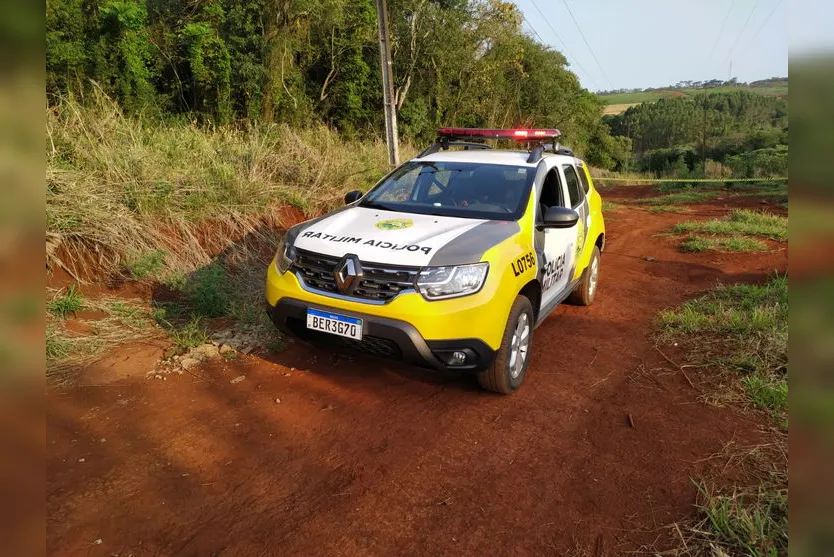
347,270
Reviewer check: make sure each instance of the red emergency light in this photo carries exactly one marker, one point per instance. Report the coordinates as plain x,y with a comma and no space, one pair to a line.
484,133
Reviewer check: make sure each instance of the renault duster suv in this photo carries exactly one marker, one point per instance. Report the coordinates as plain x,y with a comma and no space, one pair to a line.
452,259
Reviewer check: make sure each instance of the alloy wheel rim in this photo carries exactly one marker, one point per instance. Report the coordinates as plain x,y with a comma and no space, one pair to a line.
519,346
592,280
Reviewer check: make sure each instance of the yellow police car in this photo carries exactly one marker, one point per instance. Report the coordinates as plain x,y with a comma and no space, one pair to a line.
452,259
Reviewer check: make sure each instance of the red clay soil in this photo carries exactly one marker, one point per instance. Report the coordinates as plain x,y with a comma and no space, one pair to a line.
317,453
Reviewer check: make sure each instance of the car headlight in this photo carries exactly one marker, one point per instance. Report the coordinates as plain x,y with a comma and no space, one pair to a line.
284,256
440,283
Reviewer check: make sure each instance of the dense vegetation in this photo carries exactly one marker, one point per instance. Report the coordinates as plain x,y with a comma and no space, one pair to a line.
779,84
300,62
737,133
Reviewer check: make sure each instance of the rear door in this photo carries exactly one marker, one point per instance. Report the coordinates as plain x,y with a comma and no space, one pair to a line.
578,201
555,247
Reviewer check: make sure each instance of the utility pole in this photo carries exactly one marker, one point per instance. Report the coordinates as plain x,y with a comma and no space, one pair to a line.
704,135
387,84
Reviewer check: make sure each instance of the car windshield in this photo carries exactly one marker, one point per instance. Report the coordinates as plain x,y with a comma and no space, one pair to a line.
455,189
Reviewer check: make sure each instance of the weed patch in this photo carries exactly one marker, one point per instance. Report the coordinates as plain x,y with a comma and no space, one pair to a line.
208,291
741,222
667,209
610,206
193,333
732,244
683,198
63,304
741,329
745,522
147,265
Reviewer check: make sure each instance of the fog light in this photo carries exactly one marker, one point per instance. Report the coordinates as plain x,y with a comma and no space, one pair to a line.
457,358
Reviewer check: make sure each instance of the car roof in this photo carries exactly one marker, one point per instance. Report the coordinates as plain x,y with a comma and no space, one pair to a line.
491,156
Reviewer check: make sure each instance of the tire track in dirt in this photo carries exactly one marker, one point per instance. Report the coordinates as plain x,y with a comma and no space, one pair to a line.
365,457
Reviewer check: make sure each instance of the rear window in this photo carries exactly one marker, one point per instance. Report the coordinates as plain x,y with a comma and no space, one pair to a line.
574,187
580,169
456,189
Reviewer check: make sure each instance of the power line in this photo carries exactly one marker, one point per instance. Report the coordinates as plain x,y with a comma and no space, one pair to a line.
533,29
743,28
588,44
565,46
721,31
762,26
541,40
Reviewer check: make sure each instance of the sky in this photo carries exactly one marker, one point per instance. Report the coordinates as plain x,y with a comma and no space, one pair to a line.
653,43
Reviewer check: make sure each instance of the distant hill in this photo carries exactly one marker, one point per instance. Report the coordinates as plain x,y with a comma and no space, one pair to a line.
620,100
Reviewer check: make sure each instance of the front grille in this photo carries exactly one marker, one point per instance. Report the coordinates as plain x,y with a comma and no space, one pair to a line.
379,282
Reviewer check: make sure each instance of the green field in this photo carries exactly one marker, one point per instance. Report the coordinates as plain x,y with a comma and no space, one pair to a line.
651,96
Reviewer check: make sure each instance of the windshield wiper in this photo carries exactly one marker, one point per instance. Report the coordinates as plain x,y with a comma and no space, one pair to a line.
375,205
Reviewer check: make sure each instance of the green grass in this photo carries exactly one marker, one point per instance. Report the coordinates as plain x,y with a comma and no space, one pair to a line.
667,209
684,197
741,329
189,335
63,304
741,222
610,206
148,264
208,291
746,522
734,244
767,393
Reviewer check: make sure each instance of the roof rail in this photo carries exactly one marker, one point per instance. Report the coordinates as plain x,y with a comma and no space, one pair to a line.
447,137
444,144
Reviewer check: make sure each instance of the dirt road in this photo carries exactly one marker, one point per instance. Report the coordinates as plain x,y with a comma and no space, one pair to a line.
365,457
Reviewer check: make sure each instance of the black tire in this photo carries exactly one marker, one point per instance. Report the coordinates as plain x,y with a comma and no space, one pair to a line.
500,377
586,290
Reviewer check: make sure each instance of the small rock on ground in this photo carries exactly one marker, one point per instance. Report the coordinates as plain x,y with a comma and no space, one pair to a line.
237,379
189,363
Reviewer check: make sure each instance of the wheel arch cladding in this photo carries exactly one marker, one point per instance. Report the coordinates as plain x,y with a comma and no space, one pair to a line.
533,292
600,243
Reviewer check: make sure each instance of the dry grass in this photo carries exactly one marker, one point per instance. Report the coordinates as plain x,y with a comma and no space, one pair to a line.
67,350
118,188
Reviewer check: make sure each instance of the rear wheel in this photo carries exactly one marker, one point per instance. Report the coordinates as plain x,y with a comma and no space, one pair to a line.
506,374
586,290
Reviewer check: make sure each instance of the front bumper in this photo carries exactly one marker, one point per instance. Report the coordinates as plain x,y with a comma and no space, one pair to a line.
385,337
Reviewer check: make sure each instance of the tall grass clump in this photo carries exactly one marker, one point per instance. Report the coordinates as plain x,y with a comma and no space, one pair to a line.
118,186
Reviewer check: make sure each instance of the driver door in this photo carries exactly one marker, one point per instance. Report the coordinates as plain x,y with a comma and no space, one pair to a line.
555,247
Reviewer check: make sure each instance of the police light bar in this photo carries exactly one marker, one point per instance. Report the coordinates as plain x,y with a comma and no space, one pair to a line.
483,133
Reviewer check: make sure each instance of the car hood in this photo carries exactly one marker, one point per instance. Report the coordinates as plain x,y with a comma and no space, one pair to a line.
396,238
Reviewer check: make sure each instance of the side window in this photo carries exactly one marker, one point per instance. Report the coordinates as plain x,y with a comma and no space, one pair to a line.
575,190
551,190
583,177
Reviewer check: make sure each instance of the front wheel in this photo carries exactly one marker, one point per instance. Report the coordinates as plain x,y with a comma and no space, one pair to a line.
586,290
506,374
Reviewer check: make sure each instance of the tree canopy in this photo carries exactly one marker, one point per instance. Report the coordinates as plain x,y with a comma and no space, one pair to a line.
456,63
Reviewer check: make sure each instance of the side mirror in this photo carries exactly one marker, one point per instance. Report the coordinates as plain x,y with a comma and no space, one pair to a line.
559,217
352,196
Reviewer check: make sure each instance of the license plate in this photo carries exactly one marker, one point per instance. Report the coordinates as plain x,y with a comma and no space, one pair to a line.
326,322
